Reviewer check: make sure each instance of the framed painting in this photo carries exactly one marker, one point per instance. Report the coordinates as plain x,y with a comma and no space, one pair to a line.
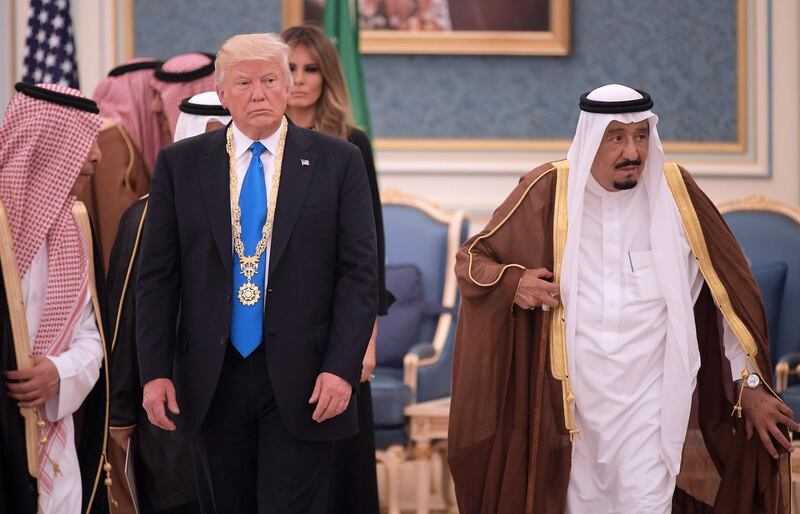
466,27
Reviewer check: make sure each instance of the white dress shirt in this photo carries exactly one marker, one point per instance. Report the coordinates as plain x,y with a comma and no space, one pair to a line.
78,368
241,146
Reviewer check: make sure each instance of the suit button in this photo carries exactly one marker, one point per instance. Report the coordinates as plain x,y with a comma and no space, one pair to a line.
229,298
223,341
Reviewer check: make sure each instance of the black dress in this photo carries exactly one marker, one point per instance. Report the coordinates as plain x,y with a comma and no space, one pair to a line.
354,483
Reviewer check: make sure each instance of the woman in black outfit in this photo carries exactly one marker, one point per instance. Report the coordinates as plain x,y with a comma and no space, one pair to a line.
319,101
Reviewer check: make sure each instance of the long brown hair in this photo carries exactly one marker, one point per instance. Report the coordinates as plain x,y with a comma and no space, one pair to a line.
333,114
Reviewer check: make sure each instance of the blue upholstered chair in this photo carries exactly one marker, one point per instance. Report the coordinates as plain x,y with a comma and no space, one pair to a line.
769,233
415,340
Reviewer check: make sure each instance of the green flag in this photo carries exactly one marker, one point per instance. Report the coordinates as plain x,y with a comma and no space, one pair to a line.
341,26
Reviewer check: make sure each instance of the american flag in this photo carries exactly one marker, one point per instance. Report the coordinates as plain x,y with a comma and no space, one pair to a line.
49,45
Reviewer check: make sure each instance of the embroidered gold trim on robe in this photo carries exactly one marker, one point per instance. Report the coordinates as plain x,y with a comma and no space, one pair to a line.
495,229
558,347
694,235
82,217
559,365
19,330
128,275
127,179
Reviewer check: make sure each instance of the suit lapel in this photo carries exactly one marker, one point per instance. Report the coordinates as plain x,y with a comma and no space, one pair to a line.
295,178
215,187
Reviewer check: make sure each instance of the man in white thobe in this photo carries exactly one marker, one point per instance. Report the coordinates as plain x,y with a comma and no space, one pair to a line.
619,350
76,371
585,409
627,347
48,149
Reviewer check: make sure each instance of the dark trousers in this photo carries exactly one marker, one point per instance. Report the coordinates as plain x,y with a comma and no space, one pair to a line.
244,458
189,508
354,483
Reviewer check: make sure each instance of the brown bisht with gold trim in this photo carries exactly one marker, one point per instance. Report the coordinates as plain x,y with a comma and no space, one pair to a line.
120,179
510,417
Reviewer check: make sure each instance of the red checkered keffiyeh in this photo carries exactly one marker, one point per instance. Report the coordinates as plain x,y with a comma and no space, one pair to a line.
181,77
43,147
127,98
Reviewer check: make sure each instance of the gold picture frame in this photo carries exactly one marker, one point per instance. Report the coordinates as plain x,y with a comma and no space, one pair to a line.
555,40
745,121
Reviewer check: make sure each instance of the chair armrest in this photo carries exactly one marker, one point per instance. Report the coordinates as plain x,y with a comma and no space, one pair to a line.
425,354
786,365
422,350
791,359
417,356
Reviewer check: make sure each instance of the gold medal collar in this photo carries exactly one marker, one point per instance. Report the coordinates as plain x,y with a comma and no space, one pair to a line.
249,293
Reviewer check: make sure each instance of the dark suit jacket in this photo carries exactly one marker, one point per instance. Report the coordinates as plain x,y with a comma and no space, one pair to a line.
321,298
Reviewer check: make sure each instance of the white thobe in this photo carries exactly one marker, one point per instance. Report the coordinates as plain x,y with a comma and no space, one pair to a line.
78,368
617,464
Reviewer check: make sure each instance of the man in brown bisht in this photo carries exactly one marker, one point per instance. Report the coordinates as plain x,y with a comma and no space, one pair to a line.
127,96
130,139
607,314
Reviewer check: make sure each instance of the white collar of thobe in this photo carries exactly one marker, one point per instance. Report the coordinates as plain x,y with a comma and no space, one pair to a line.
594,187
242,142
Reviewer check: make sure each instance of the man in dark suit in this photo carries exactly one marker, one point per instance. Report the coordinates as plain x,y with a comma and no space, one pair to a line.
260,246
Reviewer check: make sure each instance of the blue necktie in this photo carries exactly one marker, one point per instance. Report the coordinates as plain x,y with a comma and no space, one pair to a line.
247,320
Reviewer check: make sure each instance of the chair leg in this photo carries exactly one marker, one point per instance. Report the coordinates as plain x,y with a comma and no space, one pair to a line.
448,493
392,458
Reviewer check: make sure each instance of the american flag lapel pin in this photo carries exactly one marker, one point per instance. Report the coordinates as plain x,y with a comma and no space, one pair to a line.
304,162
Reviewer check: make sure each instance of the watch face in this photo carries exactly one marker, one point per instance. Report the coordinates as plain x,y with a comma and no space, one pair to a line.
753,381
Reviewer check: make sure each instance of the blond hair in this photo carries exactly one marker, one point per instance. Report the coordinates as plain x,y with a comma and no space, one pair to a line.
332,114
252,47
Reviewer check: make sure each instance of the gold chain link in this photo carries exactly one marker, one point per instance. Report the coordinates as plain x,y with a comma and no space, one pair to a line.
249,265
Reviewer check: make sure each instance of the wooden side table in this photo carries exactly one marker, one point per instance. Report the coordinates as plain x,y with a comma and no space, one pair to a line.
427,423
